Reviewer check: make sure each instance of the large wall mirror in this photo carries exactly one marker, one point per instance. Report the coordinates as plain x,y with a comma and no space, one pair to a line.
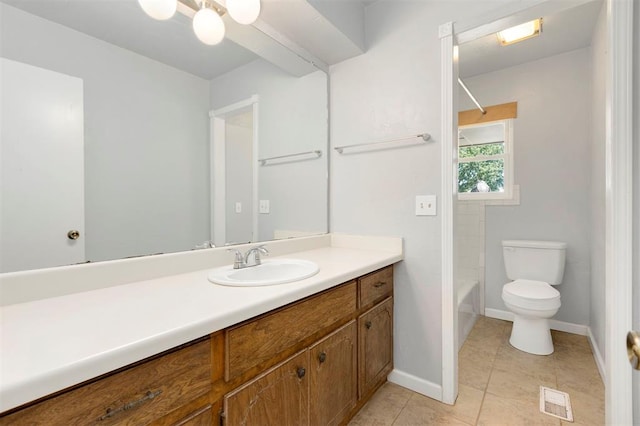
111,128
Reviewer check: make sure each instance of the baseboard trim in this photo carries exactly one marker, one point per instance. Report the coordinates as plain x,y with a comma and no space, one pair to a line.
416,384
567,327
596,354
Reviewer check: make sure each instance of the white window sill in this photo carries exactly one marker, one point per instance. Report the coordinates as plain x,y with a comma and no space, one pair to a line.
495,199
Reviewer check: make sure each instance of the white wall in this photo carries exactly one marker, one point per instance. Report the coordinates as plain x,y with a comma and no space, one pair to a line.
291,119
239,183
552,167
146,138
598,59
391,91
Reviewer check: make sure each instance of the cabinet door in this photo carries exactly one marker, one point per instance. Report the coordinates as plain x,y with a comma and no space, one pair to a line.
332,379
375,328
278,397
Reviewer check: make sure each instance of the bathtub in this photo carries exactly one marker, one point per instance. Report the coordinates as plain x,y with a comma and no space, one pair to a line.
468,308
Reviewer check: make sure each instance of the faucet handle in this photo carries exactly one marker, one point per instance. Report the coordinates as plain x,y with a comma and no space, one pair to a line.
239,260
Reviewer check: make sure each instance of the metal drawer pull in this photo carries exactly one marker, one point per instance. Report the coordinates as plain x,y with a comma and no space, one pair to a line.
129,405
379,284
367,324
322,357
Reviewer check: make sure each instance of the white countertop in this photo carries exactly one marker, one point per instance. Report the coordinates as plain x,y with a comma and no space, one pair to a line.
50,344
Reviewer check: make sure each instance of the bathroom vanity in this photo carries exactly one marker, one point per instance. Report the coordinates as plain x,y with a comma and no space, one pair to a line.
308,352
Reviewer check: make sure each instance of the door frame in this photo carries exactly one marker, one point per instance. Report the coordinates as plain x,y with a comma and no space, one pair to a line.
619,211
217,169
618,175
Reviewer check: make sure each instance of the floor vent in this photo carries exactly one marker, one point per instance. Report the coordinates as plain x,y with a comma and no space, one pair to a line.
555,403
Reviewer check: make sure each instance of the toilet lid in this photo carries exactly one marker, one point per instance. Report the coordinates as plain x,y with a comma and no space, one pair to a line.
531,294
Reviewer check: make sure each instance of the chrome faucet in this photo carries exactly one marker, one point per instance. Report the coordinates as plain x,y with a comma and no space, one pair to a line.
242,261
256,251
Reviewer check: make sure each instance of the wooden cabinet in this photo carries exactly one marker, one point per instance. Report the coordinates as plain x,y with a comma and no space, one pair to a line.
333,376
375,330
138,395
312,362
342,366
278,397
258,341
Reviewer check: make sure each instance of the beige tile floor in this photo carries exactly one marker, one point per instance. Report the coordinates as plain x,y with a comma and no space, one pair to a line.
499,385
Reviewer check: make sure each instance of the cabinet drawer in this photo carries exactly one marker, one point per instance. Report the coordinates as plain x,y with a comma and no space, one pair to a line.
260,340
135,396
376,286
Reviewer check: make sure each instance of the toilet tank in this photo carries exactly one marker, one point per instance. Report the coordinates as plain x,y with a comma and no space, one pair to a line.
534,260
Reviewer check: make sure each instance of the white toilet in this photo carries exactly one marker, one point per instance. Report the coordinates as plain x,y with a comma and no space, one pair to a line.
534,267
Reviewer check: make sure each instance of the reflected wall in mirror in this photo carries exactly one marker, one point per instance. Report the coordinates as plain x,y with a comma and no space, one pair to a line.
143,92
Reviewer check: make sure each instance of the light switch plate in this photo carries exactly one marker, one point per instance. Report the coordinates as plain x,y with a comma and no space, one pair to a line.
425,205
264,206
238,207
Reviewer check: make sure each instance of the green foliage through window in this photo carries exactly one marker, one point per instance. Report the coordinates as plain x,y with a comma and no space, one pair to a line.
489,171
485,149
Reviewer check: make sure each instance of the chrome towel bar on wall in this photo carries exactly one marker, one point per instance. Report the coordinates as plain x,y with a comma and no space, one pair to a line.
317,154
421,138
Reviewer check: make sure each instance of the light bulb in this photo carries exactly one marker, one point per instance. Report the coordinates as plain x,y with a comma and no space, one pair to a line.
208,26
159,9
243,11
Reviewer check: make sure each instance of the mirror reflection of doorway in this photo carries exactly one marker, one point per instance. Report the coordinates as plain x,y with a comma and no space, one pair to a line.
239,171
234,173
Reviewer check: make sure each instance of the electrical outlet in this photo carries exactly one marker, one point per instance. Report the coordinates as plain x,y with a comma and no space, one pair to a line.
264,206
425,205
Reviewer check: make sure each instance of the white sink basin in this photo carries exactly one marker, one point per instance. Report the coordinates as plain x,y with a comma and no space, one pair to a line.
271,272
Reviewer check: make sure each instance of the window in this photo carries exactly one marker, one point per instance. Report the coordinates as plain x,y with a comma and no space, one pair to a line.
485,161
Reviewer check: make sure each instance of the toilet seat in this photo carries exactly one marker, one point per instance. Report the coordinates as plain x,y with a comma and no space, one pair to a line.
529,294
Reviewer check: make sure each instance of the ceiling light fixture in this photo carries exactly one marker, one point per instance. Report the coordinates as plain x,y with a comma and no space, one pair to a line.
520,32
244,11
159,9
208,25
207,22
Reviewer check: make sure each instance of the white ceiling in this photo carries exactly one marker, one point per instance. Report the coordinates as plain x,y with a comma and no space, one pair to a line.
290,34
565,31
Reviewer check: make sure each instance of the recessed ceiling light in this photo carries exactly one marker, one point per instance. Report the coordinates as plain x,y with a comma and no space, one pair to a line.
520,32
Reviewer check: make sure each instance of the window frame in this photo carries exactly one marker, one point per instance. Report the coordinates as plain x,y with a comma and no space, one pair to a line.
507,158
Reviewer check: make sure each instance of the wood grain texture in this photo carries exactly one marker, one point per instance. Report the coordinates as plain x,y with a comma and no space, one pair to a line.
494,113
333,385
375,349
376,286
259,340
179,377
202,417
279,397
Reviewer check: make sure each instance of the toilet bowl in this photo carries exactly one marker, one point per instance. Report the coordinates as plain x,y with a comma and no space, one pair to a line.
532,303
534,267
